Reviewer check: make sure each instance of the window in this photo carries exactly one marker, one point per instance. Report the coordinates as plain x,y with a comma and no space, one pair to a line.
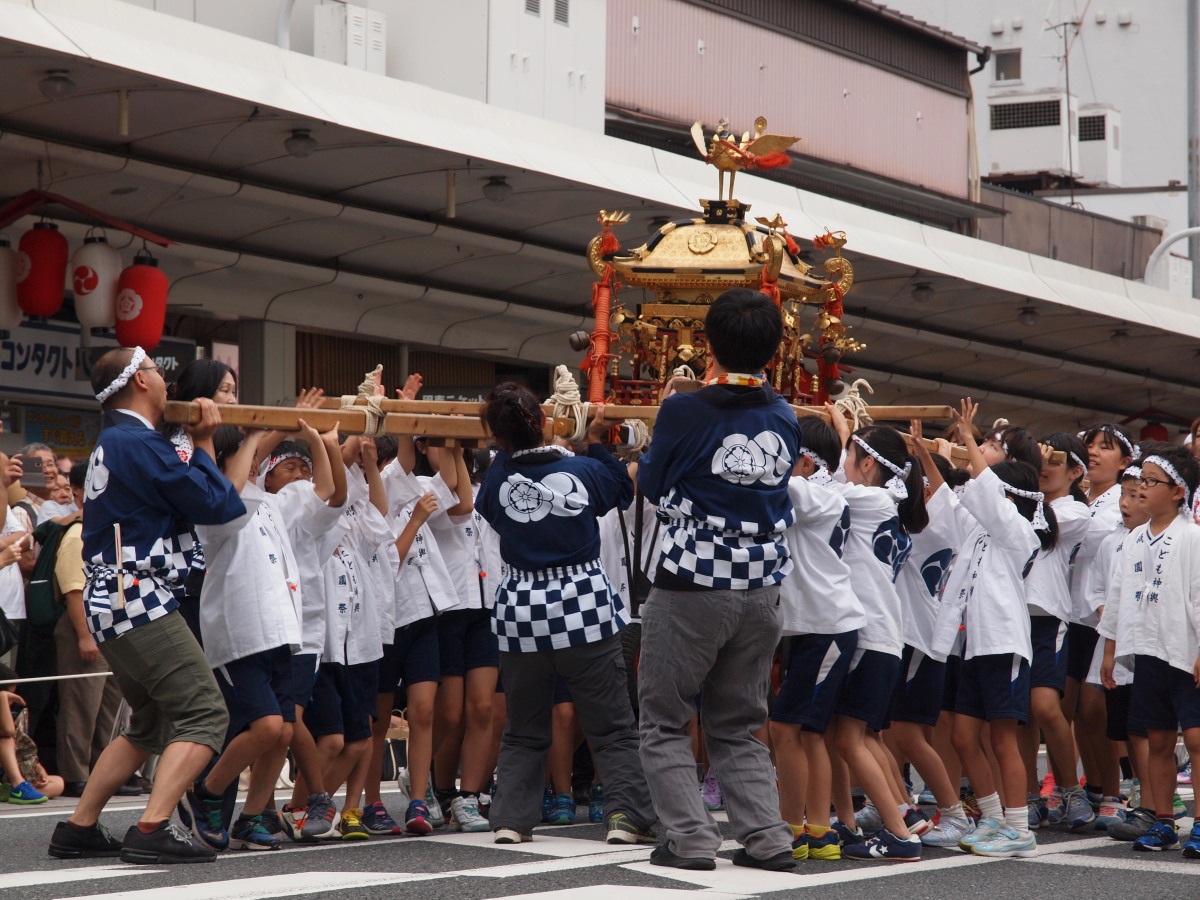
1008,65
1091,128
1038,114
533,7
562,12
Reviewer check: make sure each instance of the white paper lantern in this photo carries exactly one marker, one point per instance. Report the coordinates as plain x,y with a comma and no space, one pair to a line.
10,310
93,273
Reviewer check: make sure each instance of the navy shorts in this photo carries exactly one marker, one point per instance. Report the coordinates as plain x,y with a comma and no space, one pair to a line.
950,683
918,695
1051,651
466,641
1081,644
867,690
343,701
304,676
1163,697
412,656
995,686
816,670
1117,702
255,686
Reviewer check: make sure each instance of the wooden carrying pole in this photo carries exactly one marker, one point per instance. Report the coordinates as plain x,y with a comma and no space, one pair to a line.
351,421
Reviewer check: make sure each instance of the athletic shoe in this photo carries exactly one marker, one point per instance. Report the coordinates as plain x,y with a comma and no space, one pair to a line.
711,791
1048,785
885,846
377,820
1038,813
1191,850
1112,811
867,819
1178,809
512,836
1126,788
623,830
1137,823
827,846
1160,837
548,798
249,833
437,815
416,818
780,862
273,823
986,830
562,812
917,822
351,827
292,821
83,843
926,798
464,815
662,856
596,804
947,832
846,834
167,844
1185,774
1055,806
26,794
204,817
800,843
1078,813
485,804
1007,843
971,807
321,820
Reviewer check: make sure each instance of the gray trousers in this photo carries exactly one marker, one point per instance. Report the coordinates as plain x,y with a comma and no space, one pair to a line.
595,673
721,641
87,707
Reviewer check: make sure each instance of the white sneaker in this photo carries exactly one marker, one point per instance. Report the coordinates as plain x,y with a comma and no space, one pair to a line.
1007,843
437,817
464,815
947,832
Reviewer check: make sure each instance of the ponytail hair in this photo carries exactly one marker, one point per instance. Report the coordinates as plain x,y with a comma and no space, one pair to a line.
887,442
953,477
513,416
1077,455
1024,477
1019,445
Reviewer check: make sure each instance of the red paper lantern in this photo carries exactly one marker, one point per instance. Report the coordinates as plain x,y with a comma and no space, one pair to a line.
141,303
1155,431
10,310
41,269
95,268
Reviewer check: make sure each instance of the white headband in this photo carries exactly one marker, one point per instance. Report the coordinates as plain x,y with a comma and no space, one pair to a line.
1078,461
1039,516
814,456
139,355
1135,453
895,485
1174,475
1131,472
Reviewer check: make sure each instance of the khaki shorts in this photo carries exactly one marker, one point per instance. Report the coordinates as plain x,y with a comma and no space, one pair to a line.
166,680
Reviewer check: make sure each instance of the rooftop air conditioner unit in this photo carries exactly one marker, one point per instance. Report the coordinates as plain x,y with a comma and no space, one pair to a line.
1032,131
1100,144
351,35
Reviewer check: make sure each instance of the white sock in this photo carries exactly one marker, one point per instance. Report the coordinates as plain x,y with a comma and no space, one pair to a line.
955,812
904,808
1017,819
990,806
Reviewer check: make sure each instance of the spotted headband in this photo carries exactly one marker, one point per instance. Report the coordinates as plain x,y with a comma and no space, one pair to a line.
895,485
1039,517
1173,474
139,355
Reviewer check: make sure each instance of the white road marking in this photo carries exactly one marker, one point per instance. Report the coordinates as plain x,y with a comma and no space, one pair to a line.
1140,862
59,876
269,886
625,892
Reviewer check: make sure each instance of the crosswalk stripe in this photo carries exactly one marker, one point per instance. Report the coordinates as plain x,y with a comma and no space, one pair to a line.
266,886
59,876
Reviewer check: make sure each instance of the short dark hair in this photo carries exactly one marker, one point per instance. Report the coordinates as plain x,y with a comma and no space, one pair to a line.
744,329
819,437
78,474
105,372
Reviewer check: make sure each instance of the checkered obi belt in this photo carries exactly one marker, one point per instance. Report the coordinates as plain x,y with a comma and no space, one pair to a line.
555,608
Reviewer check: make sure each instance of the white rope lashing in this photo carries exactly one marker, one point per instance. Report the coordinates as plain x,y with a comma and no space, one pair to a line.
369,391
569,403
854,406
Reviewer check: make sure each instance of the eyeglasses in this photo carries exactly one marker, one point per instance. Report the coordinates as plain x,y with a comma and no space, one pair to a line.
1152,482
159,369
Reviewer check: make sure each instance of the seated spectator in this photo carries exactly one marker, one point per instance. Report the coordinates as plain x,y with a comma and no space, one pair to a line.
25,777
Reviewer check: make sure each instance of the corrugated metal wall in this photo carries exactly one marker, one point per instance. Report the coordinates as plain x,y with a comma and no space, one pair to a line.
845,110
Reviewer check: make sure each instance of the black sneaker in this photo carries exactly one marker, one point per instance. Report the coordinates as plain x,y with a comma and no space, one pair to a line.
167,844
662,856
780,862
88,843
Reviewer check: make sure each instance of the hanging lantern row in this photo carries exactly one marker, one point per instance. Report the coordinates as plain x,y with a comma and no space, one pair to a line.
132,300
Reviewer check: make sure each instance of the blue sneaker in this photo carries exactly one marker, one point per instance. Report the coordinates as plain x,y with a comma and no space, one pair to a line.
1160,837
562,812
867,820
1191,850
1007,843
846,834
249,833
26,794
377,820
1038,813
1078,812
926,798
885,846
1112,812
204,819
547,802
947,832
981,833
596,804
827,846
1055,806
